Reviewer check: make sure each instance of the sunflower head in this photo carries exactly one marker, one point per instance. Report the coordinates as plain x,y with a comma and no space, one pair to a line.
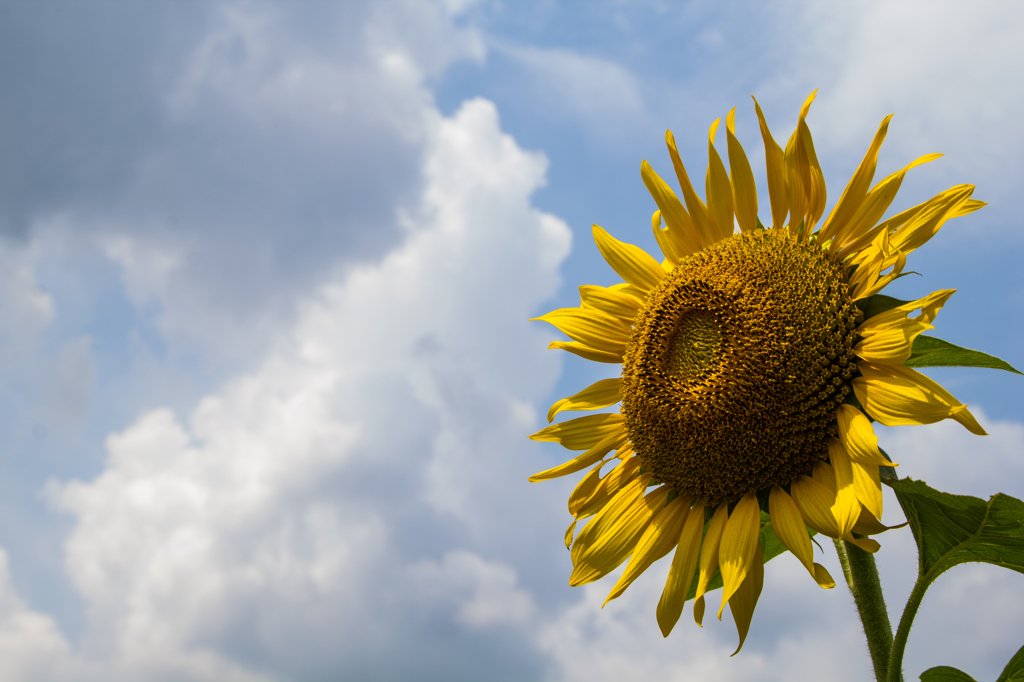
750,373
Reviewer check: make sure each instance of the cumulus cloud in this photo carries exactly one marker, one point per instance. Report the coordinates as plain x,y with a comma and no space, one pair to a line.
278,518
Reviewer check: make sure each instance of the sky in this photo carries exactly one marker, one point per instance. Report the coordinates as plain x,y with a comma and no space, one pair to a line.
266,369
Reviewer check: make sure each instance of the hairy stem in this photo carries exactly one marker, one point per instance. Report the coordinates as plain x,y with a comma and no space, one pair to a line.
862,577
895,673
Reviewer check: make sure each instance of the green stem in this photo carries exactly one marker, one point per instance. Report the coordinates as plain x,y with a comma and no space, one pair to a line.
903,630
867,595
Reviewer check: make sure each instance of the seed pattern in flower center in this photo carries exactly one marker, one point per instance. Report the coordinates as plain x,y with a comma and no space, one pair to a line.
737,363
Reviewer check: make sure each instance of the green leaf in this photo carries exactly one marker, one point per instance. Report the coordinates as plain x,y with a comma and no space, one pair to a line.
928,351
944,673
957,529
878,304
773,547
1014,670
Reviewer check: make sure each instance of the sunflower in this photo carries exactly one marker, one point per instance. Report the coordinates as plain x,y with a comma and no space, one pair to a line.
753,362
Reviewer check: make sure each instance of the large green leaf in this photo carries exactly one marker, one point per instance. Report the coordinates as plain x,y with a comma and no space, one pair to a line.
928,351
957,529
1014,670
944,673
772,546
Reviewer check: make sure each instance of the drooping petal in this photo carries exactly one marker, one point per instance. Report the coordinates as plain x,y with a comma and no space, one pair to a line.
592,327
858,437
670,248
744,190
632,263
680,574
745,599
895,395
585,488
857,188
593,455
791,529
739,541
610,538
846,508
775,162
603,393
718,191
678,222
660,537
709,559
609,486
569,532
868,485
815,501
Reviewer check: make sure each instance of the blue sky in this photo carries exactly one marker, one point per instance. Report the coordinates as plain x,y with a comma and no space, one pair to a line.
266,374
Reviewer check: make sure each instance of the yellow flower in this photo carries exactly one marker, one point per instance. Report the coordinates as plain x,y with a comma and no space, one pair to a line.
750,373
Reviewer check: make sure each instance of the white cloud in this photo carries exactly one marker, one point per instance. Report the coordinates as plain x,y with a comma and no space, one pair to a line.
277,510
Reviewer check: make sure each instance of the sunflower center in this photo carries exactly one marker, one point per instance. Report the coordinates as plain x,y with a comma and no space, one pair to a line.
693,349
737,364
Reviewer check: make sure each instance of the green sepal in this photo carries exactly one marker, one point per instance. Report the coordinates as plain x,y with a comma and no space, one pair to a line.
1014,670
878,304
771,545
929,351
957,529
945,673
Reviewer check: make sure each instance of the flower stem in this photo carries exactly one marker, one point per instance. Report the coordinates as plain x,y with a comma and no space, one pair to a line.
903,630
862,576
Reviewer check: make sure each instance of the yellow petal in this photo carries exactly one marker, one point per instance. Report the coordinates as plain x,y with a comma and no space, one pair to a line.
609,486
815,501
744,601
869,525
585,488
680,574
888,338
612,534
868,485
846,508
778,191
933,215
670,248
739,540
583,432
895,395
858,437
856,188
588,458
592,327
600,394
806,183
709,558
588,353
790,528
632,263
611,301
876,203
568,534
718,191
969,206
678,222
660,537
698,211
744,190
